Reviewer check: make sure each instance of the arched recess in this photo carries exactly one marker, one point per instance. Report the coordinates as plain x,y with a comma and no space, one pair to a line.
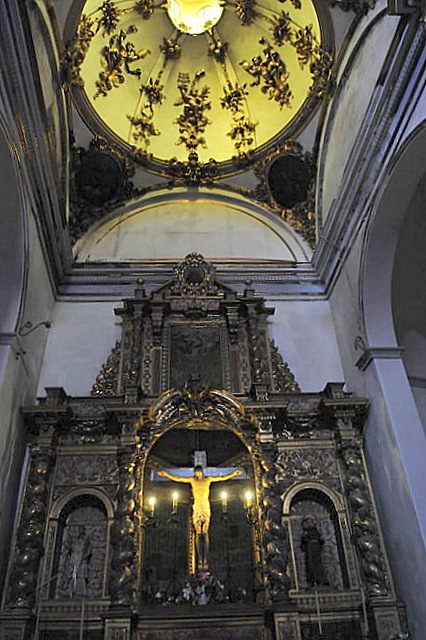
394,434
408,294
77,555
60,504
379,253
315,501
169,547
219,411
215,223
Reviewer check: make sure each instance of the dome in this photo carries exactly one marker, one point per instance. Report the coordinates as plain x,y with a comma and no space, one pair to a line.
202,81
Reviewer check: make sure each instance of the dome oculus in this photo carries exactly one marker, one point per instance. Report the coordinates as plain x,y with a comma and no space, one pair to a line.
194,16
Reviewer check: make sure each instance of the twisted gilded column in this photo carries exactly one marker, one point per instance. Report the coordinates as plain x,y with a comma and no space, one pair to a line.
274,533
364,525
29,543
123,575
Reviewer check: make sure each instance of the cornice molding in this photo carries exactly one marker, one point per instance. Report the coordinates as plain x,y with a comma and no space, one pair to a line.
378,353
8,338
416,381
271,278
12,340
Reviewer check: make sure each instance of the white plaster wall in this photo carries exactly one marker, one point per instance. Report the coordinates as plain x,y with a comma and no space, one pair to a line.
305,336
409,294
175,227
414,343
80,340
396,456
357,80
348,318
419,393
395,444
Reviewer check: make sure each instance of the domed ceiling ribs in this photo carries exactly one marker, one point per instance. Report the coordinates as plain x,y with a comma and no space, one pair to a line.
232,88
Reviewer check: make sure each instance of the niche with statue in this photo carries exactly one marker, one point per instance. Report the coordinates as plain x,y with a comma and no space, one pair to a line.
81,549
316,542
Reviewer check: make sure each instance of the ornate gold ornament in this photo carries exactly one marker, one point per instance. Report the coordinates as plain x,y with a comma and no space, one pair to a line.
116,58
300,216
193,172
77,49
92,195
245,10
270,72
302,454
254,88
195,102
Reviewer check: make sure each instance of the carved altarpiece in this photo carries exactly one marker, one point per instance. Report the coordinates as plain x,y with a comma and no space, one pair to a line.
195,365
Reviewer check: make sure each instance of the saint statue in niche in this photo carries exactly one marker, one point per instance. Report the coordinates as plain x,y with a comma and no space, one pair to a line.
82,549
311,545
201,511
80,555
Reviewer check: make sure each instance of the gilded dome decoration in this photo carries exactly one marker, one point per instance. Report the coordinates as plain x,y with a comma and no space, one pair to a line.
205,82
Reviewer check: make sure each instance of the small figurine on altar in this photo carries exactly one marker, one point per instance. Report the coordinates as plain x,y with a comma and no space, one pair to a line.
187,592
202,597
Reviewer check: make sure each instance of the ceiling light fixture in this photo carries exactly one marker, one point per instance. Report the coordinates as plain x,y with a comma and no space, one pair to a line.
194,16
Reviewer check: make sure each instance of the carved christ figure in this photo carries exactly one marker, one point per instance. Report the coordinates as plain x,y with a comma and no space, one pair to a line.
201,511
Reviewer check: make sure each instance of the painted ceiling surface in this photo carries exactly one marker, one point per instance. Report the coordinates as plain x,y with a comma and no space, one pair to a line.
249,76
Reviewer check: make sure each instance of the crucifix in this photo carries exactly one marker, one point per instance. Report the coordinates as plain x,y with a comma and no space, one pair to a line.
200,477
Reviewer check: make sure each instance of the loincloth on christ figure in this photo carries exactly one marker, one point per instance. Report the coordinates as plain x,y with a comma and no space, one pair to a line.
201,510
201,517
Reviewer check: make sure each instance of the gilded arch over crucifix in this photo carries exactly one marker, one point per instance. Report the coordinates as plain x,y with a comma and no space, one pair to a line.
204,419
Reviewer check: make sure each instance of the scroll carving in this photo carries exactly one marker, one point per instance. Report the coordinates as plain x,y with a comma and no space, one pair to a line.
134,362
282,377
258,368
301,465
78,470
363,520
107,379
194,276
275,536
29,546
122,582
193,312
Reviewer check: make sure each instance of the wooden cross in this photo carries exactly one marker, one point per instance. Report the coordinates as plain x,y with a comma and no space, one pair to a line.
200,460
